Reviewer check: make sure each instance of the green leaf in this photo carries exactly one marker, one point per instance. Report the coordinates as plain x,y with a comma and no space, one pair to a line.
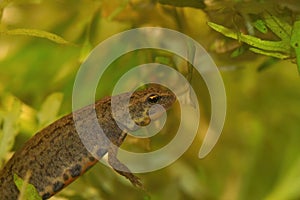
10,126
85,50
27,190
267,64
237,52
50,109
118,10
295,42
278,46
297,51
37,33
260,26
281,28
271,54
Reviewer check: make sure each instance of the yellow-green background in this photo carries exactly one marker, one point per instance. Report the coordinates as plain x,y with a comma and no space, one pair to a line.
258,154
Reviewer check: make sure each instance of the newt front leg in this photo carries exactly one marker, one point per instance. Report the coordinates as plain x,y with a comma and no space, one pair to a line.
120,168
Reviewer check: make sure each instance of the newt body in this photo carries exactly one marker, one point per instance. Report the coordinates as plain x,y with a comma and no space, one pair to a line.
56,156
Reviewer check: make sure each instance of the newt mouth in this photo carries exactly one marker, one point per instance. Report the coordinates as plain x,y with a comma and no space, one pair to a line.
156,111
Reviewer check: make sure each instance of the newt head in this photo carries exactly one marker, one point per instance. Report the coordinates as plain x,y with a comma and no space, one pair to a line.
149,104
140,107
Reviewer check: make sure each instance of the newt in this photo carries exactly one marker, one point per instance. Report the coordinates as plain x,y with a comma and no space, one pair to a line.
56,156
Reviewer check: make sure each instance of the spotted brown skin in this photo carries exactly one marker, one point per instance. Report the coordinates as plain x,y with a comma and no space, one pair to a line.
56,156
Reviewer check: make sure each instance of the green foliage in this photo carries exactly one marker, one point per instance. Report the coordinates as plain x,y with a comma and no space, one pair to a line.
275,48
261,26
279,49
295,41
36,33
27,190
50,108
118,10
9,121
239,51
29,32
18,117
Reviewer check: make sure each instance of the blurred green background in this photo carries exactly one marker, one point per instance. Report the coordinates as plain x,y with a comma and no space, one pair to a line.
258,153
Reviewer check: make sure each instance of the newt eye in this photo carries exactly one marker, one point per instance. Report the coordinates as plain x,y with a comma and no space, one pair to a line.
153,98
